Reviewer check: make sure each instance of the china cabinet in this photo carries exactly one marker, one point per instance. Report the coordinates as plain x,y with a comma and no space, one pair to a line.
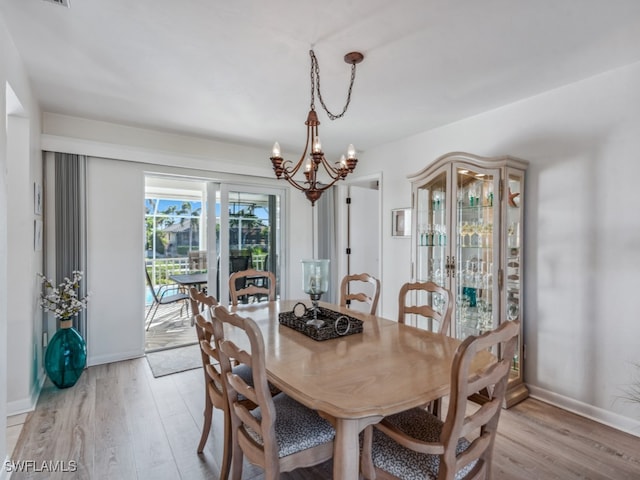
467,233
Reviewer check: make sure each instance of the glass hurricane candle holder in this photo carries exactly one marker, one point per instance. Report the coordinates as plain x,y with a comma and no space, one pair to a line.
315,282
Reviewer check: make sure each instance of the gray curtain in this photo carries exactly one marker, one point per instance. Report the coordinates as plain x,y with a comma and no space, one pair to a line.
71,224
327,240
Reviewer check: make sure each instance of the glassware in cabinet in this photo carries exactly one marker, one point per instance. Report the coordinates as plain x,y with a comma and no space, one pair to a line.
476,249
432,237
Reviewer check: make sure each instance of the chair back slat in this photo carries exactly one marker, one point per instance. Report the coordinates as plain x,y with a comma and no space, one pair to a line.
199,299
347,295
239,288
441,315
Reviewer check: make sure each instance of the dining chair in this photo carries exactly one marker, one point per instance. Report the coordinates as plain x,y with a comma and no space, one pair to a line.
347,295
439,295
199,300
165,295
249,286
442,314
416,444
281,434
214,391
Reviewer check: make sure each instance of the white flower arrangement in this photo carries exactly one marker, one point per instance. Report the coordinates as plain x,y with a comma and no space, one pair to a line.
63,300
632,393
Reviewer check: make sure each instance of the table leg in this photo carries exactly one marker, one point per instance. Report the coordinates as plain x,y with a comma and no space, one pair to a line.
346,446
346,449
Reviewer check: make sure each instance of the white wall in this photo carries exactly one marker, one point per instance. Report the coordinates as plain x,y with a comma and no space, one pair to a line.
20,331
582,232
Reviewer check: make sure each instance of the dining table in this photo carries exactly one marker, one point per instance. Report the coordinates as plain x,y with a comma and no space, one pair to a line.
354,380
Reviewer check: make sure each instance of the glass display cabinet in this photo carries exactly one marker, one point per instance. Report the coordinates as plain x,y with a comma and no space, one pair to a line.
467,227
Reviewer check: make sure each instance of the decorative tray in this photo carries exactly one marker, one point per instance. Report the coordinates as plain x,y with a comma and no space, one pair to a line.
335,324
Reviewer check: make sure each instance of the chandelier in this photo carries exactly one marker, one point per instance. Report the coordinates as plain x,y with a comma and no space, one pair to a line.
310,182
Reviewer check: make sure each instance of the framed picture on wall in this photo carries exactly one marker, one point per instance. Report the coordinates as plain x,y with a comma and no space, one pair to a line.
37,235
401,222
37,198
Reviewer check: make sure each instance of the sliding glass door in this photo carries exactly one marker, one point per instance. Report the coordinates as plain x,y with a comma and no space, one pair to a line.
249,231
198,228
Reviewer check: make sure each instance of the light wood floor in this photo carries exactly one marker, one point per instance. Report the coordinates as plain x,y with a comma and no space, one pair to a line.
119,422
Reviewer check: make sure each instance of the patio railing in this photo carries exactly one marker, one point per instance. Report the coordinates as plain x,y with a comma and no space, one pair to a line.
161,268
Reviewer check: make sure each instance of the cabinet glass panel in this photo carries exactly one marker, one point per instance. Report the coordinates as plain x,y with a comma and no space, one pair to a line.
431,237
432,231
475,220
514,257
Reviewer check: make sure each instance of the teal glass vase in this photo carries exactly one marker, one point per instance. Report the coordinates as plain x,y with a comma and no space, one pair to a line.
66,356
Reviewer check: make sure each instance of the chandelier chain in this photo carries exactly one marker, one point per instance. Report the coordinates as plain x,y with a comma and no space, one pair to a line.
315,86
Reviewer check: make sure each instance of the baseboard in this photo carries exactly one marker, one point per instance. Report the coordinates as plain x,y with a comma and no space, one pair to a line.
596,414
27,405
4,474
110,358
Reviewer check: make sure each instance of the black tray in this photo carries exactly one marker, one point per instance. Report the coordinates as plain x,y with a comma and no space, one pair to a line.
347,325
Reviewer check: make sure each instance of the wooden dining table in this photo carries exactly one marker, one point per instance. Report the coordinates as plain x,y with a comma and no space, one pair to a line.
354,380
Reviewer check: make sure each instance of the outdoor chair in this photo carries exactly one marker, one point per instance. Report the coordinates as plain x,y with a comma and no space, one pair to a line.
165,295
197,260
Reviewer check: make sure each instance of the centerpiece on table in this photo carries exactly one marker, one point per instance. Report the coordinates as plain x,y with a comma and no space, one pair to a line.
315,282
66,354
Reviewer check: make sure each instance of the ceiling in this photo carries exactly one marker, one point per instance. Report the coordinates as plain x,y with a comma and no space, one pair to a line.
239,70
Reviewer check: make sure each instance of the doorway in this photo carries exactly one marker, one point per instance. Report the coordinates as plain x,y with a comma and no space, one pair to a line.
186,233
175,244
360,232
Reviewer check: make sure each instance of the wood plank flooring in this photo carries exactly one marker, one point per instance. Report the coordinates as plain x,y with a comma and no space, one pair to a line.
119,422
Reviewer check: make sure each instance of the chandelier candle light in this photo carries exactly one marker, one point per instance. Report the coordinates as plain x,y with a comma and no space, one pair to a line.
312,186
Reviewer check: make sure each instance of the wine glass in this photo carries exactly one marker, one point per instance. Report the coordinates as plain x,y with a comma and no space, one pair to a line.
472,196
475,229
487,230
466,232
513,310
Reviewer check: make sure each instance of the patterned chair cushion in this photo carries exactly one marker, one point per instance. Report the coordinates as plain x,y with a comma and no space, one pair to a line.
407,464
297,427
